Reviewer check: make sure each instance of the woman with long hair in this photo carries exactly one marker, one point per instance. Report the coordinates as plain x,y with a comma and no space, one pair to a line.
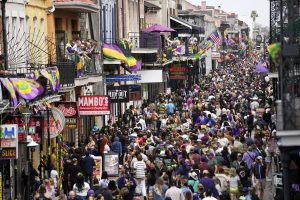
159,190
42,193
81,188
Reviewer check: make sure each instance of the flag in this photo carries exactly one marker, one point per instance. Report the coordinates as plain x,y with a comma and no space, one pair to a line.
7,84
114,52
274,51
25,89
38,86
50,78
57,79
215,38
133,64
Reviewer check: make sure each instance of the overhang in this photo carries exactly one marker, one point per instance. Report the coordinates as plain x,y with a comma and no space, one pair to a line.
85,6
186,26
151,6
288,138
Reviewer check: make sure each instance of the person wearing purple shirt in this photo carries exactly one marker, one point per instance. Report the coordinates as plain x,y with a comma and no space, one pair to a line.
249,157
208,183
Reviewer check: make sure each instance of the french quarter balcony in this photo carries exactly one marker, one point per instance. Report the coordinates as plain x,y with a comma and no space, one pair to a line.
80,6
78,62
151,48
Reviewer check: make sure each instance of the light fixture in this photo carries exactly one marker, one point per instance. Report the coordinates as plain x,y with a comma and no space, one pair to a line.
267,79
26,115
31,143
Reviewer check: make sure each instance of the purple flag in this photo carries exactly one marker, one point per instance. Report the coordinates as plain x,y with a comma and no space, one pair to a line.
7,84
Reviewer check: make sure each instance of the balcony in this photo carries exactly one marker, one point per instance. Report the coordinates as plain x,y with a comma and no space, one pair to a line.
80,6
78,66
144,42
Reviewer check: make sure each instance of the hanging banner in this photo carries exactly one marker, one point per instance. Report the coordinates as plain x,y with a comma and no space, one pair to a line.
93,105
177,72
69,110
135,92
118,94
118,78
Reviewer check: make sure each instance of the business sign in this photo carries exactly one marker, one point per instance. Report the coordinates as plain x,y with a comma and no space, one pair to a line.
111,164
9,141
118,78
118,94
93,105
70,111
177,72
56,123
8,153
135,92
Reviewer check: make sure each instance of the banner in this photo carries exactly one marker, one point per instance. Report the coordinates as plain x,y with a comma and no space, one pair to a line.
70,111
177,72
93,105
118,94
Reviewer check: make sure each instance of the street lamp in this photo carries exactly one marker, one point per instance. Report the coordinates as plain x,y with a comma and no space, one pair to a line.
26,114
265,85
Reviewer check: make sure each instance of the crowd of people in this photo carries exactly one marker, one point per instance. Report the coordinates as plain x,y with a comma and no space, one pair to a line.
215,140
81,52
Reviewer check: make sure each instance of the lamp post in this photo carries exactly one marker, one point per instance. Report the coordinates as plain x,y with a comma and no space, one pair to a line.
265,85
26,118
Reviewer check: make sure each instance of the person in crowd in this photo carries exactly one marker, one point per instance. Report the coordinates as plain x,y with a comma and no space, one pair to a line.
88,164
42,194
81,188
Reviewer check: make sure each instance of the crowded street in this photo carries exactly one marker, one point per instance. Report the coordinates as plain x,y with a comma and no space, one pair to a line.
210,141
149,100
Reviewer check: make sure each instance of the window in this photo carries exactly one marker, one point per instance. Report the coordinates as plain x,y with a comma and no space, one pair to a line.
14,26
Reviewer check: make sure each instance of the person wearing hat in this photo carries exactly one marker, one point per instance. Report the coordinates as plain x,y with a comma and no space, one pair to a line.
193,182
74,169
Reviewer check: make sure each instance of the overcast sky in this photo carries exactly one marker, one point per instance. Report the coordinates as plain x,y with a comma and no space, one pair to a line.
243,8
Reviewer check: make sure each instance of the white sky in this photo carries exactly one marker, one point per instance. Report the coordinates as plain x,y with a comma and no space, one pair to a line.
243,8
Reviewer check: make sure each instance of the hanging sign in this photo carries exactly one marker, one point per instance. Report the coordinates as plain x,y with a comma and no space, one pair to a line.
56,122
118,94
69,110
93,105
9,141
177,72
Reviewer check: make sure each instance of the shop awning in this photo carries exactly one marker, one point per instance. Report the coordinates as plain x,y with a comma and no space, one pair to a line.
151,6
181,25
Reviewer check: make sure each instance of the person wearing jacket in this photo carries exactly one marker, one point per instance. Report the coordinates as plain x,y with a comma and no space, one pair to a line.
117,146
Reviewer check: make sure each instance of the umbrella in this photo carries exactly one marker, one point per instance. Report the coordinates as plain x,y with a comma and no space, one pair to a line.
260,68
157,28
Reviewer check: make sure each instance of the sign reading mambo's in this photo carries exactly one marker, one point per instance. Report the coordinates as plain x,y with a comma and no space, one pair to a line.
69,109
177,72
93,105
118,93
9,141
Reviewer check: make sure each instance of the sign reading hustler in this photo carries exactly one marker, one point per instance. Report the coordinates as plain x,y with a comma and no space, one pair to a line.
118,94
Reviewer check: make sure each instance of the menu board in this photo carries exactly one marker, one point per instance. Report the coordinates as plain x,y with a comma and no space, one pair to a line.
111,164
98,167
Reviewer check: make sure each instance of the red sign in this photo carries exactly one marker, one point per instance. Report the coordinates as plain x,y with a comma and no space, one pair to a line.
93,105
177,72
69,109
